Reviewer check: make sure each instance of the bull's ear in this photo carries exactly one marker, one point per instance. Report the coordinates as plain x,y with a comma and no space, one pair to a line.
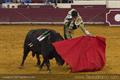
33,54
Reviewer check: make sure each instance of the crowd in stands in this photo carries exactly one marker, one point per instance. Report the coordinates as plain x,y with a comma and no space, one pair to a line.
36,1
23,5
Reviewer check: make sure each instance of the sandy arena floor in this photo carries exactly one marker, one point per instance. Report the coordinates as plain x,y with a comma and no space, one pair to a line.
11,47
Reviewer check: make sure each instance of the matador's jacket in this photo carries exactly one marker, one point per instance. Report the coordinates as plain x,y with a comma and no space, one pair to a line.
70,25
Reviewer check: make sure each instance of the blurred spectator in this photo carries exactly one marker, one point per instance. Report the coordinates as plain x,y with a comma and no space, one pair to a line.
14,1
7,1
49,1
38,1
67,1
26,1
18,1
1,1
70,1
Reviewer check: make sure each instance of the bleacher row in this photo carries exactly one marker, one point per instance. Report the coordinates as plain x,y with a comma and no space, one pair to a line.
36,1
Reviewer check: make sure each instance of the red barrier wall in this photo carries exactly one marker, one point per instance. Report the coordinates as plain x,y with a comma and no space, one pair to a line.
32,15
92,13
89,13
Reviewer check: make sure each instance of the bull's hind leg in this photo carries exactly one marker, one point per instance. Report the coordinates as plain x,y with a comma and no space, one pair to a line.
47,63
38,59
25,53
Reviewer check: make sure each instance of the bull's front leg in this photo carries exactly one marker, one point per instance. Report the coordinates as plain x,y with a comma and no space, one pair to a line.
48,65
41,66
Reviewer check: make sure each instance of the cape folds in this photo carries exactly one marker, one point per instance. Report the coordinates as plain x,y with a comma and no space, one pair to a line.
85,53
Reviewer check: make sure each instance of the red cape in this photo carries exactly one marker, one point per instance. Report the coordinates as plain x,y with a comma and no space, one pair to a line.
83,53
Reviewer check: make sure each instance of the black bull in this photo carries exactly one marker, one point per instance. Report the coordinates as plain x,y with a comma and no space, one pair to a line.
44,47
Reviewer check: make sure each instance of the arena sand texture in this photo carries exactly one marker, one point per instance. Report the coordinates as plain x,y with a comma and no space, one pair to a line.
11,48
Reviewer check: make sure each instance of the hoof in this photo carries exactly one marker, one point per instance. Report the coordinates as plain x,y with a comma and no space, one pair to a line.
37,65
69,71
20,67
40,68
49,71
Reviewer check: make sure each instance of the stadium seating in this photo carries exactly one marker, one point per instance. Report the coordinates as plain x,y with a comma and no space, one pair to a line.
38,1
26,1
7,1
